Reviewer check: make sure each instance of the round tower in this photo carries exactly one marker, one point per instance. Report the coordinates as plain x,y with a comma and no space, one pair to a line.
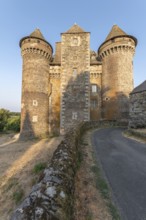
116,54
36,54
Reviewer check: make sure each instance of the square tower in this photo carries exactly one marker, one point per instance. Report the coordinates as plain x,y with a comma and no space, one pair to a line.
75,78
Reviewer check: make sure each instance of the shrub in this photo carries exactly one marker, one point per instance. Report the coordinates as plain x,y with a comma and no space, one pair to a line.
13,123
4,115
39,167
18,195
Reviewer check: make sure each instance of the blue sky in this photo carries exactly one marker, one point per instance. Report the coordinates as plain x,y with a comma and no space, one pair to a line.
19,18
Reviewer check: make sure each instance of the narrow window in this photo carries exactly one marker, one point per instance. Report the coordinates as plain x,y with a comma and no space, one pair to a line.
94,88
94,103
35,118
35,103
74,115
74,72
75,41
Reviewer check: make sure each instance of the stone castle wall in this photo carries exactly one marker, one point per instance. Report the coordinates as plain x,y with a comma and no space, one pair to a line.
138,110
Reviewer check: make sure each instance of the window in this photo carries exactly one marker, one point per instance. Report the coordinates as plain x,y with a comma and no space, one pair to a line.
22,105
35,118
74,115
93,103
93,88
35,103
75,72
107,98
75,41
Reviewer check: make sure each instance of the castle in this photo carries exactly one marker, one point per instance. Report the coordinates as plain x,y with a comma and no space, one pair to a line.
74,84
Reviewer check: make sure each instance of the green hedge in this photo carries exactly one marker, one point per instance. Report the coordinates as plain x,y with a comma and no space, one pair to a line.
13,124
9,120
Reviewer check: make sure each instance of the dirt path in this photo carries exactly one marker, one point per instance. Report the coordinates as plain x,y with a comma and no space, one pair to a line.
17,161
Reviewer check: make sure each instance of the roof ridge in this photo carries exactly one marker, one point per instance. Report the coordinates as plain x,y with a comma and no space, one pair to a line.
140,88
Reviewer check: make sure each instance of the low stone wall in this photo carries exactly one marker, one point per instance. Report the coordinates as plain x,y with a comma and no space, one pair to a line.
52,197
137,110
103,123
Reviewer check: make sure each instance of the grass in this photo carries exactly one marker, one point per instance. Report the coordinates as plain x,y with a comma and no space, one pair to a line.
101,183
11,183
89,216
135,134
39,167
103,187
18,195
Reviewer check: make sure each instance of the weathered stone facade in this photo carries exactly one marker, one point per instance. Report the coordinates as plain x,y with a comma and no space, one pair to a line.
75,84
138,107
116,54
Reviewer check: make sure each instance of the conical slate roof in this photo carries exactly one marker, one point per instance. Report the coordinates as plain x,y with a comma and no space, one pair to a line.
140,88
75,29
37,34
115,31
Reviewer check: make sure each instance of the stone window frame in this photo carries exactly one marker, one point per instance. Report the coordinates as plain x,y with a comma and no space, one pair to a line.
75,41
35,118
106,98
94,103
94,89
74,115
35,103
74,72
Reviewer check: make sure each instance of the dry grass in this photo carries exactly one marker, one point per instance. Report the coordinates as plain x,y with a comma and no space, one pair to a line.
89,204
136,134
17,161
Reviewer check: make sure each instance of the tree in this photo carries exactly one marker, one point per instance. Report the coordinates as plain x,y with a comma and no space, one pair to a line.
13,124
4,115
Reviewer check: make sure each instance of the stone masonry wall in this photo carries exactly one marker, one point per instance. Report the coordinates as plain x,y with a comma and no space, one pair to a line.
117,76
54,99
52,197
75,85
95,97
36,56
138,110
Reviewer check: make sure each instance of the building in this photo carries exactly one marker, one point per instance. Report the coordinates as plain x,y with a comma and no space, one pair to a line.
74,84
138,107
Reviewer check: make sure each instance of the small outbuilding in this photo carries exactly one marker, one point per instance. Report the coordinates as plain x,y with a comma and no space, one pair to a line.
137,110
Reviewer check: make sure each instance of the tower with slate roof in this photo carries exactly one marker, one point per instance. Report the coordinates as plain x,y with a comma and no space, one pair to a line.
36,54
116,54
